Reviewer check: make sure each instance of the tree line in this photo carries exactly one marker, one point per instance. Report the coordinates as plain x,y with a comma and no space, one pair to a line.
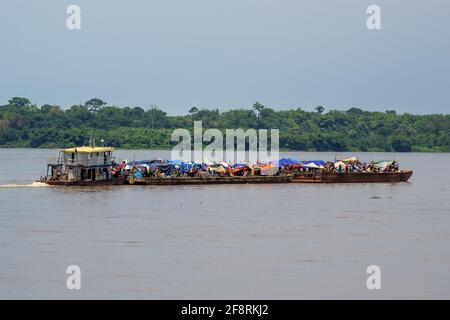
24,124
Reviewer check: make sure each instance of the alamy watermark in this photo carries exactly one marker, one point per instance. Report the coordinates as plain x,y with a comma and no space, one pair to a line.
374,280
73,21
73,281
374,20
241,146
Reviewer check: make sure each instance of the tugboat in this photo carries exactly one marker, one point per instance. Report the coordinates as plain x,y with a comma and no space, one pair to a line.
82,166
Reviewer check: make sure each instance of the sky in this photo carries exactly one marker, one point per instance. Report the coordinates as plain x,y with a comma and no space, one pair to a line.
177,54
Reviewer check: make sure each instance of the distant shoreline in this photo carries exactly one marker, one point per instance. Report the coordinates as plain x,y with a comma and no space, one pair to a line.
26,125
281,150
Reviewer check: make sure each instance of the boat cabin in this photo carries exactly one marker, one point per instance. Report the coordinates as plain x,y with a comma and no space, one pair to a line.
81,164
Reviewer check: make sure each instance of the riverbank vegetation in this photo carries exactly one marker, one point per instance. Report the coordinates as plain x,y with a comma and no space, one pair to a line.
24,124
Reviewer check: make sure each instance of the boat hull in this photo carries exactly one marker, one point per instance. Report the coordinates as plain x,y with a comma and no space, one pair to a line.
112,182
326,177
209,180
353,177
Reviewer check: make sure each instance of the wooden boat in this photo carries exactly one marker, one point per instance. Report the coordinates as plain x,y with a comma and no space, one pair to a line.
209,180
352,177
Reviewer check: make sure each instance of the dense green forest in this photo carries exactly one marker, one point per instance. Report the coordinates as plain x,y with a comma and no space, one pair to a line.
24,124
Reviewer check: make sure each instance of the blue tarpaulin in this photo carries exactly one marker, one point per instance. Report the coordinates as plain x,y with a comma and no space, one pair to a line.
286,162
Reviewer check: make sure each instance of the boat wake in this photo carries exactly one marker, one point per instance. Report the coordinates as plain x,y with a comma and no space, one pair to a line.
35,184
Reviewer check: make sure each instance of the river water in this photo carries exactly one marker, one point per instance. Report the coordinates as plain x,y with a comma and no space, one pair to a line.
287,241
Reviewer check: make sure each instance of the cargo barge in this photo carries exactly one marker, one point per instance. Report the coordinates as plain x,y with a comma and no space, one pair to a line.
352,177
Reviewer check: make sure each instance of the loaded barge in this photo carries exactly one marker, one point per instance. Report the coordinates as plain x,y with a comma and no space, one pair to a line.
95,166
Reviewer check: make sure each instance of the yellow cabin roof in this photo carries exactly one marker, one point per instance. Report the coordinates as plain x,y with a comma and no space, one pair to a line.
88,149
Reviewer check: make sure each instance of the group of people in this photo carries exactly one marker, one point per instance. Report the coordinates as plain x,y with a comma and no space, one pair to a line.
357,166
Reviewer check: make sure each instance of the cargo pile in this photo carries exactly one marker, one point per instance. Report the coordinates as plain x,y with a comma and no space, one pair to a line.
284,166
